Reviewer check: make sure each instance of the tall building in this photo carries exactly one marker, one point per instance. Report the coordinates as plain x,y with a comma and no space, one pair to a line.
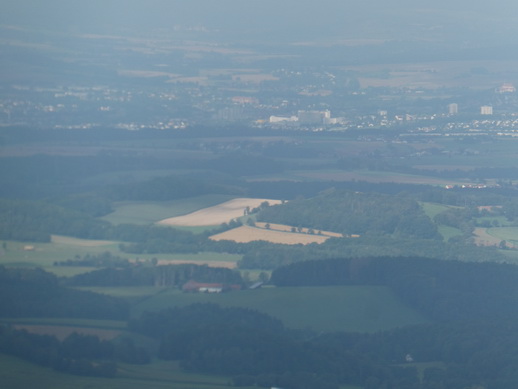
486,110
453,108
313,117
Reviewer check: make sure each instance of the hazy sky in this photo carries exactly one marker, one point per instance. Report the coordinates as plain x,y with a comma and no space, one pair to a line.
297,18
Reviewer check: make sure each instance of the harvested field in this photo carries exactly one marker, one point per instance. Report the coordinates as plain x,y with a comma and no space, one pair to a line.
482,238
226,264
61,332
286,228
494,236
218,214
245,234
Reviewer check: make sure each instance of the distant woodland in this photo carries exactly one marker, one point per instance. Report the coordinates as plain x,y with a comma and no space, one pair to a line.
416,241
472,329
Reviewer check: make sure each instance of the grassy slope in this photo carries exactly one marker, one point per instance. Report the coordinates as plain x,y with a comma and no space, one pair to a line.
150,212
431,210
504,233
335,308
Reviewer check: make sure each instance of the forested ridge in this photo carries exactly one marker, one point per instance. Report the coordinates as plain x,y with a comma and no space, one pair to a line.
77,354
257,350
355,213
389,228
35,293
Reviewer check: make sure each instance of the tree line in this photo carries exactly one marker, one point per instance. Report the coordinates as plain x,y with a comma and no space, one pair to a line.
35,293
255,349
441,290
456,354
77,354
140,274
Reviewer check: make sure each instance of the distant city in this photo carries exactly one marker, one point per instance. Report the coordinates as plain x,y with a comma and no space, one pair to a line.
185,77
303,105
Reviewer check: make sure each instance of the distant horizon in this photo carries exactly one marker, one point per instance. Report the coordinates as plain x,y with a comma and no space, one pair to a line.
287,20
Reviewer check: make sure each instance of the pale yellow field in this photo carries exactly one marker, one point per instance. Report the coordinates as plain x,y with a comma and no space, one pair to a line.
218,214
245,234
226,264
483,238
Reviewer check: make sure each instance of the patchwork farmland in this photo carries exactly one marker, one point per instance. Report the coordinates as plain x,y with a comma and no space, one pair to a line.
218,214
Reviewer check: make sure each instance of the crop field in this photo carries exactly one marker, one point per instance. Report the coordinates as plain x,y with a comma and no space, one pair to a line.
497,154
497,234
59,249
418,75
375,177
137,212
227,264
245,234
303,230
333,308
218,214
18,374
62,248
202,258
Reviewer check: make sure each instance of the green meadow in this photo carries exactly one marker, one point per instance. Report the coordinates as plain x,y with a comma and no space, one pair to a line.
36,254
432,209
448,232
143,212
332,308
504,233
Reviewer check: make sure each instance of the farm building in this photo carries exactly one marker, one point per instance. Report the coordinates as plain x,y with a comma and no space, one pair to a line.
200,287
257,285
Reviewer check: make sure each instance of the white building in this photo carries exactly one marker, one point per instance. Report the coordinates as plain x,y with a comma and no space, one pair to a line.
486,110
314,117
280,119
453,108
